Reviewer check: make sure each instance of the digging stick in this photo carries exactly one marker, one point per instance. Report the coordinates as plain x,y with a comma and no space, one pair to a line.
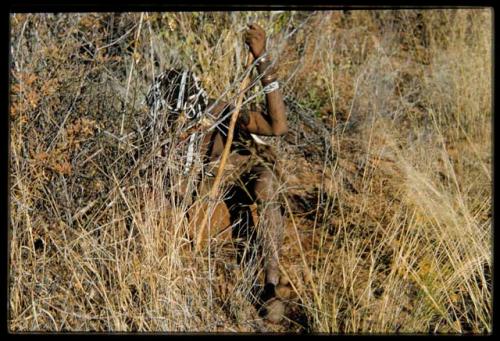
225,153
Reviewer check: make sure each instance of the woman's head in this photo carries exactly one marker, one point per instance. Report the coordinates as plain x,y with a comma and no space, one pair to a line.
177,92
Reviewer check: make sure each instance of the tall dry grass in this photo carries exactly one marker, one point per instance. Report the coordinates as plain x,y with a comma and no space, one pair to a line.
387,198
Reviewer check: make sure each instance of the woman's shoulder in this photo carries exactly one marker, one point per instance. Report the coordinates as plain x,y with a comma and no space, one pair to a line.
217,108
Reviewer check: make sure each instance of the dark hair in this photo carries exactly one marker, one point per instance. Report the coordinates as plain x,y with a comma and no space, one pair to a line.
175,91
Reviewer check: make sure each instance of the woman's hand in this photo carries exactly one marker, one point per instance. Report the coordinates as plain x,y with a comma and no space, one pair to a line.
255,37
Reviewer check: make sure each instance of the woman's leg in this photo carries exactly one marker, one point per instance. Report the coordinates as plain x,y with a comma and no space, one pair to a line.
271,229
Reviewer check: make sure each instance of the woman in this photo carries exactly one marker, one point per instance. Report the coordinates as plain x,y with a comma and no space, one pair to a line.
251,173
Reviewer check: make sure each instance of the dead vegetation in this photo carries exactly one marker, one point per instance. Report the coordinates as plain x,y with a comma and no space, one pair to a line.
388,162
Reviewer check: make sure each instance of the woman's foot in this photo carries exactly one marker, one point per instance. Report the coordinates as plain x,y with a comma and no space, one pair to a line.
272,308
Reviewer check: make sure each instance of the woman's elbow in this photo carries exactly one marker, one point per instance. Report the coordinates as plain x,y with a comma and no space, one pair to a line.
280,126
280,130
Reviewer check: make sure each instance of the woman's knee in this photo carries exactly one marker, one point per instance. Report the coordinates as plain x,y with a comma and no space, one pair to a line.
266,186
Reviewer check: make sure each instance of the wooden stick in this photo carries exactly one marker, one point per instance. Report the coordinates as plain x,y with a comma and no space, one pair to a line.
225,153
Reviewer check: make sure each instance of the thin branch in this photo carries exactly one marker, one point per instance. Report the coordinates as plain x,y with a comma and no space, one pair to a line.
225,153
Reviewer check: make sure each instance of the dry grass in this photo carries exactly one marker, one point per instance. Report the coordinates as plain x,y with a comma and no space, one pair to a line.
387,198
